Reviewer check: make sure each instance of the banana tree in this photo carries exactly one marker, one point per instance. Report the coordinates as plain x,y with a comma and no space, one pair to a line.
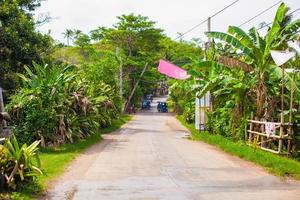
254,50
229,87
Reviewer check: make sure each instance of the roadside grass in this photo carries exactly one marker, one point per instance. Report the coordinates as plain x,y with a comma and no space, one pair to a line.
278,165
116,124
55,160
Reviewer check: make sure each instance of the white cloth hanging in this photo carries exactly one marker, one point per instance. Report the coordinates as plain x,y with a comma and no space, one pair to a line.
270,129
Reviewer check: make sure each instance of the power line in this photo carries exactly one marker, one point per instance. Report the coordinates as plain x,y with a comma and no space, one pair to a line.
265,25
294,11
262,12
196,26
272,22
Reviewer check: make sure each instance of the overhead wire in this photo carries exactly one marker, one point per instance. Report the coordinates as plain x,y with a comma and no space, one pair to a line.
259,14
215,14
266,25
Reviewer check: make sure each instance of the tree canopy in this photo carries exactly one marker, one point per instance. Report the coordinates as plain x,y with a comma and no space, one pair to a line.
20,43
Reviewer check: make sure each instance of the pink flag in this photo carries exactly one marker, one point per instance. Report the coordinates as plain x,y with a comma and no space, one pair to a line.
171,70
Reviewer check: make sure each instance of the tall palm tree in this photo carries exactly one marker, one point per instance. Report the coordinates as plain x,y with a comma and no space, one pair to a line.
77,33
68,34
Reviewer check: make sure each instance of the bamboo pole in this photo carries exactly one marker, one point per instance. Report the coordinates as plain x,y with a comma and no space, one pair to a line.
265,135
290,131
281,115
261,122
251,128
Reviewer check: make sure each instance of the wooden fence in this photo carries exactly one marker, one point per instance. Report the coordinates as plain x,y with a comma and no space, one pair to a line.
279,142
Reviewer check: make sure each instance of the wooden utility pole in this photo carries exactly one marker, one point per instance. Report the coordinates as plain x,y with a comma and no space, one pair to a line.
134,88
119,58
209,27
209,41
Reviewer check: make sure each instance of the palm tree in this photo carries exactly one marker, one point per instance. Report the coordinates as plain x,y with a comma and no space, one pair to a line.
68,34
77,33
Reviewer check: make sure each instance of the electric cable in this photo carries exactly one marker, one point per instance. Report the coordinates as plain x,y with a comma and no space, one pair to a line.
196,26
259,14
272,22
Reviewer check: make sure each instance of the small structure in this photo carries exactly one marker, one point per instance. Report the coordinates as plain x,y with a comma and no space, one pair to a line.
203,105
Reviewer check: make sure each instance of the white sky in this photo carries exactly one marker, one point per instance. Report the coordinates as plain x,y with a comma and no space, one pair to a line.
171,15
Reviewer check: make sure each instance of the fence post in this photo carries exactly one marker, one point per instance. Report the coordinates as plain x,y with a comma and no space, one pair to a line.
281,133
251,128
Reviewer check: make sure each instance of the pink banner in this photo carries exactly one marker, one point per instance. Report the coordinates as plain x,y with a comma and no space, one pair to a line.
172,70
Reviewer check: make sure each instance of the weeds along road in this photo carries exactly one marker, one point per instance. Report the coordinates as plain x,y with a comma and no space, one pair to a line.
151,158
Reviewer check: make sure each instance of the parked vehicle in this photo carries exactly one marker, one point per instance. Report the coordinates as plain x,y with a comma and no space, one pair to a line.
162,107
146,104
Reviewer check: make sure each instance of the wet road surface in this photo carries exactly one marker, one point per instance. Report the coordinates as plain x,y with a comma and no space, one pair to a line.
150,158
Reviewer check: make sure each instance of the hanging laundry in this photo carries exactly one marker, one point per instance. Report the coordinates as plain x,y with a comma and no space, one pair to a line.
172,70
270,129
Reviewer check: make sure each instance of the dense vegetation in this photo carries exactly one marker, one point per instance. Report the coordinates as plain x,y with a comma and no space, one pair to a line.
58,94
61,94
238,70
20,43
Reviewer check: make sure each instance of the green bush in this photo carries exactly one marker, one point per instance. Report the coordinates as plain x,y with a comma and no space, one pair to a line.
57,105
18,164
189,112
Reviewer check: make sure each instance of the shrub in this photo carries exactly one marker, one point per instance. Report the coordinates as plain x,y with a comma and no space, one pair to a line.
18,164
58,105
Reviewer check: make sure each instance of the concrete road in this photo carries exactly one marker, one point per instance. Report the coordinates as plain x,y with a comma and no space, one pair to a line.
150,158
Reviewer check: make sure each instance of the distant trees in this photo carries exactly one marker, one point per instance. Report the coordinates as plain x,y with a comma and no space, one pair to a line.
68,35
139,40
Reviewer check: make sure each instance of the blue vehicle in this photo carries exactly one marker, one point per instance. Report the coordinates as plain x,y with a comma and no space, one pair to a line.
146,104
164,107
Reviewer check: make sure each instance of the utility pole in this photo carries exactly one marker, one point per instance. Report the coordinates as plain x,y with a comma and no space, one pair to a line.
209,41
209,27
134,88
121,79
119,58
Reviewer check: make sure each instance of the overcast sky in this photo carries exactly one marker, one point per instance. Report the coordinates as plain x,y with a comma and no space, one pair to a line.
172,15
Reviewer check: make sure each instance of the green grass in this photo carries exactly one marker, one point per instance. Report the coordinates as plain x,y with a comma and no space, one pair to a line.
116,124
275,164
55,160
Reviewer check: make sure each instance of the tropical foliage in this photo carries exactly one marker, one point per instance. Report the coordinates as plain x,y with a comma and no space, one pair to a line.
63,93
242,77
56,105
18,163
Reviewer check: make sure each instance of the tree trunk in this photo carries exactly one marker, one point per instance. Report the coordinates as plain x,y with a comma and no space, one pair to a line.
261,97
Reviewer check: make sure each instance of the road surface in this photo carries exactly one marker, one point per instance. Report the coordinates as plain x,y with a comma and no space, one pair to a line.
150,158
